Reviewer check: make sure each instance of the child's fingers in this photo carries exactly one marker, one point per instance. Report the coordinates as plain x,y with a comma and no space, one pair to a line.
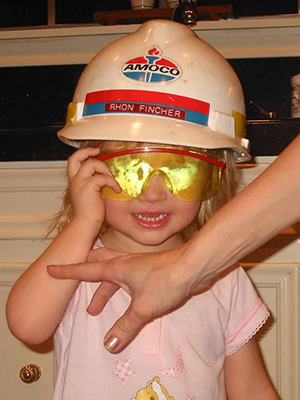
99,173
102,295
91,167
102,180
76,160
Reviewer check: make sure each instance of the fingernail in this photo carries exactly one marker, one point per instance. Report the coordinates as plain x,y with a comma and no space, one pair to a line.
111,343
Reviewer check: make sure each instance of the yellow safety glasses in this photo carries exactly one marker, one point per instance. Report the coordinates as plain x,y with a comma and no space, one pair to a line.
189,175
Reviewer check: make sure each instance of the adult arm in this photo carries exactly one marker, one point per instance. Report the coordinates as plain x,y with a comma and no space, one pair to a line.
159,282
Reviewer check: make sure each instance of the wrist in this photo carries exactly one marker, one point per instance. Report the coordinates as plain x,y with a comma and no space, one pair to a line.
88,227
201,262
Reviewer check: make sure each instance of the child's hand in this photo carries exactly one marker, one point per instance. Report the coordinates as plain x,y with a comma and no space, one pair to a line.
87,176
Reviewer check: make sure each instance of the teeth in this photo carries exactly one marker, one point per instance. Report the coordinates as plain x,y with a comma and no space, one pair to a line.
151,219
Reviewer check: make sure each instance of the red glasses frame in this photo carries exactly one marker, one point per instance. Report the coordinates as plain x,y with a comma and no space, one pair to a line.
203,157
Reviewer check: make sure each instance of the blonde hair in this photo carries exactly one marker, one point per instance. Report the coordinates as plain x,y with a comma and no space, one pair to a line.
211,206
207,209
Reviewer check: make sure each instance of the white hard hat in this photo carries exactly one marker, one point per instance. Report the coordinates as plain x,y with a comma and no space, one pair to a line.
160,84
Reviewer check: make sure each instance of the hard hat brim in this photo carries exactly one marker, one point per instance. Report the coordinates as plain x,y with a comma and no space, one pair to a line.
151,129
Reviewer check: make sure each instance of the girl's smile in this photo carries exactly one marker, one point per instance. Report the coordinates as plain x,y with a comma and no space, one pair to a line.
152,220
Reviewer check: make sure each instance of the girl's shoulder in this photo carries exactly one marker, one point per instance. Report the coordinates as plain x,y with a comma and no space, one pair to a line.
232,292
229,280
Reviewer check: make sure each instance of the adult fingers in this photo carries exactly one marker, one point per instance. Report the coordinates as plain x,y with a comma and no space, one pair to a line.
90,272
101,265
124,330
106,290
102,295
78,157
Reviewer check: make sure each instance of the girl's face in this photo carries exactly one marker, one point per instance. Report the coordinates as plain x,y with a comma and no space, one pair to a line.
189,175
155,219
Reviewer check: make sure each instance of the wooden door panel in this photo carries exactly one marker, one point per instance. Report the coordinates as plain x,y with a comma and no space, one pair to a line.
15,355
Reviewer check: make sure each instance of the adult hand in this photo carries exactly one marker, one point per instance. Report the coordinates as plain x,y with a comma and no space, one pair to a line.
154,288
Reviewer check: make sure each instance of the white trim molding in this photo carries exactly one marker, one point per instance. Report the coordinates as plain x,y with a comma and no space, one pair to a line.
67,44
278,286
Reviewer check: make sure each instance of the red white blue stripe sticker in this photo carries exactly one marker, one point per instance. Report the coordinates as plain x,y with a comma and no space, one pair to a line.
146,102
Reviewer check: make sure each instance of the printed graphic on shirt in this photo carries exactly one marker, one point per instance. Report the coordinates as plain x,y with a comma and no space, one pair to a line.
178,367
123,370
153,391
190,398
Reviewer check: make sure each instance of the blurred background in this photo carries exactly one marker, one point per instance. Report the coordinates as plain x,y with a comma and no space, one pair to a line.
18,13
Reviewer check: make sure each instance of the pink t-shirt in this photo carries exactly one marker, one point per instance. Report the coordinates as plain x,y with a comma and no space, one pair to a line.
180,356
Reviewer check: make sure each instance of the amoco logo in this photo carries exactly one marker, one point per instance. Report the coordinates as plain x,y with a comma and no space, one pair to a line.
151,68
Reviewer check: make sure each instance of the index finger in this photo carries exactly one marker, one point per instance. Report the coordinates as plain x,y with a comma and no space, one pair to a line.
88,271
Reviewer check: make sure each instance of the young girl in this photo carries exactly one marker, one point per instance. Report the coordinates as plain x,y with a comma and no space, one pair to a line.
136,189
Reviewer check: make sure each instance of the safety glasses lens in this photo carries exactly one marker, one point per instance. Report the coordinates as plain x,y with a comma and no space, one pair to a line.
188,177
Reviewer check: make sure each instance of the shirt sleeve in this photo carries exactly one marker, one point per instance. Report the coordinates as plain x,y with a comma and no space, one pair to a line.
246,311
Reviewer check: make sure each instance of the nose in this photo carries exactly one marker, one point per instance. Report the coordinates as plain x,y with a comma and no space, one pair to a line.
155,189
